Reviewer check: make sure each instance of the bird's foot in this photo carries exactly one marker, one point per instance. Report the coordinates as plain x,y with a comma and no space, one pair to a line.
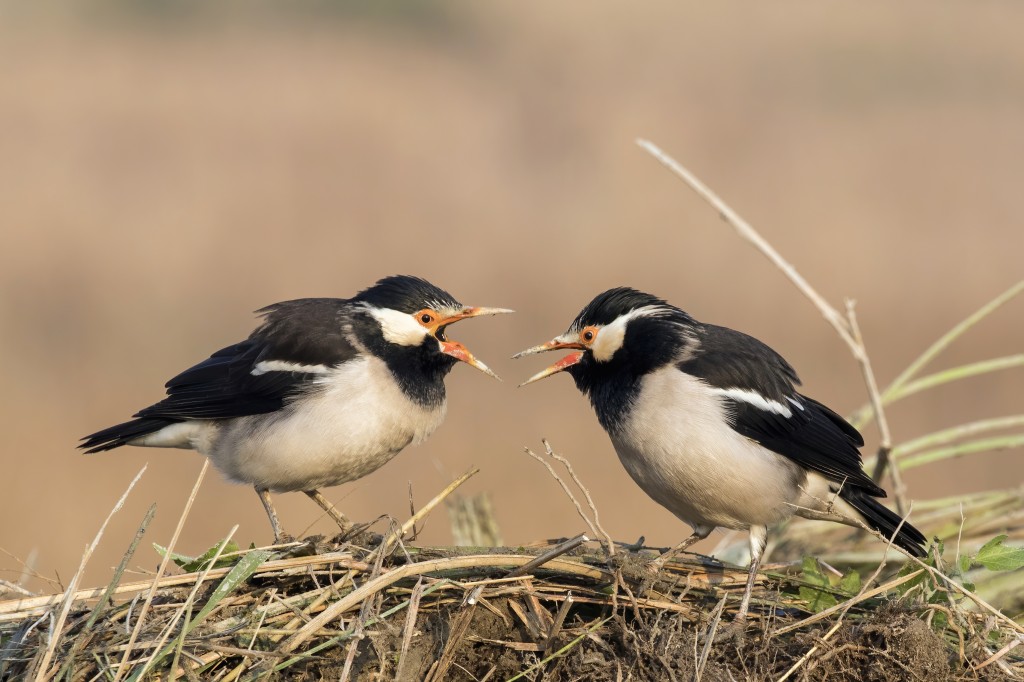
283,538
654,566
353,533
734,632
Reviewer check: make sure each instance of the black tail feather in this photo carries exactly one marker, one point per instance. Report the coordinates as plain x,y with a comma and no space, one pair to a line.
121,434
886,521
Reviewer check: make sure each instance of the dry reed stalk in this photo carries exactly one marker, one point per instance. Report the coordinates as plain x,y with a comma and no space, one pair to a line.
160,571
43,671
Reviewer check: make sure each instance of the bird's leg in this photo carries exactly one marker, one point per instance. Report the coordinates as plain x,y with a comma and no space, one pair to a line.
755,563
759,538
737,629
280,537
331,510
699,533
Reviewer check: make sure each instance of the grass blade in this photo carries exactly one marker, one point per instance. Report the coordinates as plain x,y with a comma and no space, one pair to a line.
970,447
65,607
66,670
956,374
864,414
235,577
952,335
957,432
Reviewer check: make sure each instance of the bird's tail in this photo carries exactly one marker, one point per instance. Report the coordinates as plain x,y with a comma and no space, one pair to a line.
886,521
121,434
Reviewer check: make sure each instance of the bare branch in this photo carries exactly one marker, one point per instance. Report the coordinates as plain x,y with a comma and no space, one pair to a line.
565,489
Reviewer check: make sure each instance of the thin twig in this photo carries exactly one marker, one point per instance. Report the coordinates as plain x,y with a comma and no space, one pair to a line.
565,488
748,233
556,551
394,536
709,638
410,626
885,456
608,543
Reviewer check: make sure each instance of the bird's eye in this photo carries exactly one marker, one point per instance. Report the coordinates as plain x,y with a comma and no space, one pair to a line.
426,316
427,319
588,334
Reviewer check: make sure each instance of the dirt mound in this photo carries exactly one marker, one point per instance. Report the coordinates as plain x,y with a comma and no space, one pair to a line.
556,612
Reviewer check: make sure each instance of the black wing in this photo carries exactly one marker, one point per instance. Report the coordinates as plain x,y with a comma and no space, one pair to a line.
224,386
299,339
812,435
305,334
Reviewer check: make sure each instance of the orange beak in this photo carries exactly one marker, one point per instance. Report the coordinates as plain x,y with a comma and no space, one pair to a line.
566,341
456,349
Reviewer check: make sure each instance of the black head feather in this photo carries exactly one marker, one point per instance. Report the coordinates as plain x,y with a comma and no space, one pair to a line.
407,294
652,340
612,304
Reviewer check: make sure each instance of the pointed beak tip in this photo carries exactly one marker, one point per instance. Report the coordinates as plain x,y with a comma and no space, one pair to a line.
477,312
531,351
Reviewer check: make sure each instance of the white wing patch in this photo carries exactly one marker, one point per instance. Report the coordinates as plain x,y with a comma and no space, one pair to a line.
757,400
285,366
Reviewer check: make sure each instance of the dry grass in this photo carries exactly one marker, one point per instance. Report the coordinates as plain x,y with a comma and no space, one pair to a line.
329,609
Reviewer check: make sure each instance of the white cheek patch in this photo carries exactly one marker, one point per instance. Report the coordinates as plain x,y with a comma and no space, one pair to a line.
398,327
610,337
757,400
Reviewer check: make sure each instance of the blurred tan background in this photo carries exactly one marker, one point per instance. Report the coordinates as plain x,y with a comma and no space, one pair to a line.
163,173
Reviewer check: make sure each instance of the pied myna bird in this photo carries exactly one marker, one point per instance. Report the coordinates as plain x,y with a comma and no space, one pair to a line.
708,422
324,391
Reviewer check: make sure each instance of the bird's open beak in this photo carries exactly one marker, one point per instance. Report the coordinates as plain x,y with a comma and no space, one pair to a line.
557,343
456,349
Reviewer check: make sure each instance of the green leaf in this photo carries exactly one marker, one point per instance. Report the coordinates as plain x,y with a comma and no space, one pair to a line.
811,571
995,556
850,582
964,564
817,600
239,573
907,569
191,564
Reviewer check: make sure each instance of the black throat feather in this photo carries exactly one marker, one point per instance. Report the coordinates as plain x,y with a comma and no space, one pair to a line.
418,370
651,341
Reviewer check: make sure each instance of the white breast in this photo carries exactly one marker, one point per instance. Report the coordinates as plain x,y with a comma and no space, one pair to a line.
678,447
355,423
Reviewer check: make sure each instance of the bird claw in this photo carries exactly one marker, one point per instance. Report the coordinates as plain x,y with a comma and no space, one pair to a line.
735,632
